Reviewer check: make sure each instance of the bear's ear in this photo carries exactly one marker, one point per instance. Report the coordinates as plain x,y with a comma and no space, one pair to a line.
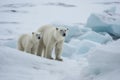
32,32
56,28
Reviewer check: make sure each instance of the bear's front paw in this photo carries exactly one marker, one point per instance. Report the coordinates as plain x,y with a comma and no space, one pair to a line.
59,59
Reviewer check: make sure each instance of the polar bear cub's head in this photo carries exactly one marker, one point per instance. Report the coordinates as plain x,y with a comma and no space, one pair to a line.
61,32
36,35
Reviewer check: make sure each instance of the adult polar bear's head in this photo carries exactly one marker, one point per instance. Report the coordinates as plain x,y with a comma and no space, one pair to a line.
60,33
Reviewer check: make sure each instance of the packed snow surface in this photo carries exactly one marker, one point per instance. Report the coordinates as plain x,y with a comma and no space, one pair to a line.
89,52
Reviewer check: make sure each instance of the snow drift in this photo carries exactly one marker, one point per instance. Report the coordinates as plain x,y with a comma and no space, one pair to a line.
103,62
16,65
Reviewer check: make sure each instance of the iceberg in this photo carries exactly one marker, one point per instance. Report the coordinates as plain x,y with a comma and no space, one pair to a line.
83,46
105,23
96,37
78,47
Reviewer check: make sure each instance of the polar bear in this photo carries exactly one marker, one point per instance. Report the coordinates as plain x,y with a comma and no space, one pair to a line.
52,37
29,43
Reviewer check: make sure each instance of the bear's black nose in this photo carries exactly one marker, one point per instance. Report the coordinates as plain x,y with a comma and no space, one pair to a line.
64,34
38,37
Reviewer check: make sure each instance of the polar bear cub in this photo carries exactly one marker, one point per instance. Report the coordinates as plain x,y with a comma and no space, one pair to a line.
52,37
29,43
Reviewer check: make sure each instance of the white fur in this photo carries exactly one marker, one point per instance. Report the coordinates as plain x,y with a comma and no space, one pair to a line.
28,43
51,38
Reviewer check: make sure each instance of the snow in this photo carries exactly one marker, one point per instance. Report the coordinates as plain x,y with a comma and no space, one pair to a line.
89,52
19,65
104,61
110,76
97,65
110,56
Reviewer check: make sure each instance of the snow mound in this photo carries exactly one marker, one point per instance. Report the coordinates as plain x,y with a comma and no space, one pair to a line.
96,37
110,76
16,65
105,22
104,62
